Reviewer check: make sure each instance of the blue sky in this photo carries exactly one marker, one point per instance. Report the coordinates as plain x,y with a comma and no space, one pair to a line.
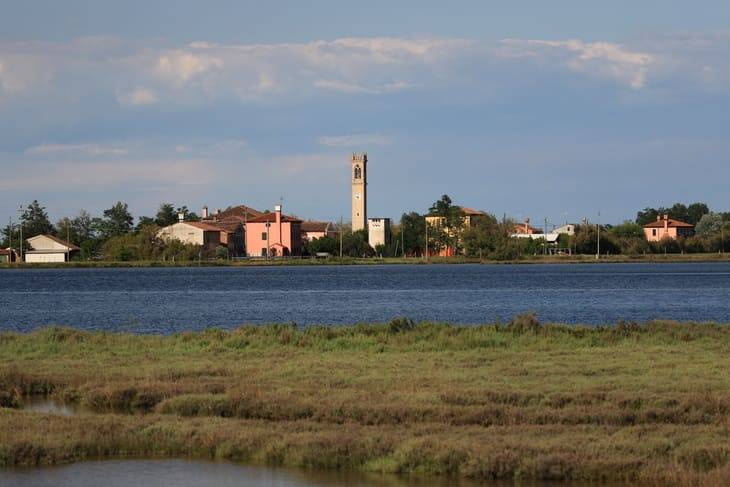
552,110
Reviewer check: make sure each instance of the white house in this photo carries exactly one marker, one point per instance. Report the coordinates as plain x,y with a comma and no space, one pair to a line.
204,234
47,248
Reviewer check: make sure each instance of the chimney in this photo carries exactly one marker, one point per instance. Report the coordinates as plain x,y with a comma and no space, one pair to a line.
666,224
277,210
658,218
181,217
205,213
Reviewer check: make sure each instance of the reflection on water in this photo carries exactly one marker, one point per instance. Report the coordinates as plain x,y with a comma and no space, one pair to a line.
188,473
47,405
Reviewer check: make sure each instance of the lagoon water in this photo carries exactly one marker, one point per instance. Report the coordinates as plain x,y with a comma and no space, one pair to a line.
190,473
165,300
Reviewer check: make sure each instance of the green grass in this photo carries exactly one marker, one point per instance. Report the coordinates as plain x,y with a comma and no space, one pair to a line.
647,403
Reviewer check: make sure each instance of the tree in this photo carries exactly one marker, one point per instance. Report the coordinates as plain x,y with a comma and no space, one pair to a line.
627,229
117,221
356,244
695,212
710,224
35,221
413,228
322,244
83,226
166,215
447,233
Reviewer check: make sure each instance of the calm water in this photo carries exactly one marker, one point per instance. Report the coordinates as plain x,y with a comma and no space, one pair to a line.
166,300
186,473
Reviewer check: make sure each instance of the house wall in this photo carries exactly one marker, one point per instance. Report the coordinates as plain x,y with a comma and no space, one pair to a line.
657,234
185,233
43,243
284,237
45,257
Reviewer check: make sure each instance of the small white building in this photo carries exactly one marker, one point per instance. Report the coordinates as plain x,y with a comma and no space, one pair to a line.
47,248
378,231
207,235
567,229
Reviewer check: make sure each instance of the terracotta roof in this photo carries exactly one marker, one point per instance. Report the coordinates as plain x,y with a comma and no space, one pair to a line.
671,223
241,211
228,225
271,217
4,251
310,226
206,226
472,212
58,240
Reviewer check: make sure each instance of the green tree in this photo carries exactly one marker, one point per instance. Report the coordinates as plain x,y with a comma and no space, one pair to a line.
35,221
355,244
413,228
695,211
166,215
447,232
117,221
322,244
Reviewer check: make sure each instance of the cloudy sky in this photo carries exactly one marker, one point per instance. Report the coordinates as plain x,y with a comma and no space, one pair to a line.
538,109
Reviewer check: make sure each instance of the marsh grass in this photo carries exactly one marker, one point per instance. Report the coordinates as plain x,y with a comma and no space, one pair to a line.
520,400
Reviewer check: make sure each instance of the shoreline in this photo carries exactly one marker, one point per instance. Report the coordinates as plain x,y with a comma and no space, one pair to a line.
519,401
334,261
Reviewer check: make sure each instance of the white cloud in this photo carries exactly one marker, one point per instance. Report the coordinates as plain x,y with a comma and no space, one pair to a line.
94,150
355,140
602,59
180,66
139,97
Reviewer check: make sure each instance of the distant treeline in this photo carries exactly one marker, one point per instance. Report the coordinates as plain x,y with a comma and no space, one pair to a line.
114,236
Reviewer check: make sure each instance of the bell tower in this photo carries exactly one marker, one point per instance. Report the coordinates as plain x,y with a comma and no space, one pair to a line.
359,167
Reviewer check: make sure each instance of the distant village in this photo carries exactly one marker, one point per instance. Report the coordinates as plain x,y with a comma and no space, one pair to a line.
445,230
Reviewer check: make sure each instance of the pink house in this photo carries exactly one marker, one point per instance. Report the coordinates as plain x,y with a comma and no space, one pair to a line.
273,234
665,227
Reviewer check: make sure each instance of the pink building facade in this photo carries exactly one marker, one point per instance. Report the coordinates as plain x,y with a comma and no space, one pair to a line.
665,227
273,235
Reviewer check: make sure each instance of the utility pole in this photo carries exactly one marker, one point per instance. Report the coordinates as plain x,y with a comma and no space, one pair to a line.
426,225
402,240
544,243
598,248
340,236
10,235
268,233
20,212
68,240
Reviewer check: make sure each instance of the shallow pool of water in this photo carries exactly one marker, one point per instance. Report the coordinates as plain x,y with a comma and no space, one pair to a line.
47,405
192,473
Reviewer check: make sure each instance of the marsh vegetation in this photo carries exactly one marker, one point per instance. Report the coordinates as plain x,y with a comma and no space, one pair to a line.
520,400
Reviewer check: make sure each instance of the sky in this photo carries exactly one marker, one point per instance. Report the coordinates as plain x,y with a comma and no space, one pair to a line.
552,111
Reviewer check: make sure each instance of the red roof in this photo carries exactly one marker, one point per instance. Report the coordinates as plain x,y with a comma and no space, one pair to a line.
271,217
671,223
206,226
472,212
240,211
310,226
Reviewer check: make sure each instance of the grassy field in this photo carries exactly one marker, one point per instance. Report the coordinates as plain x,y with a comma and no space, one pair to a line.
646,403
535,259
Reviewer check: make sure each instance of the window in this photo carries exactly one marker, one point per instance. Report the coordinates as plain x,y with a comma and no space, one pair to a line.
358,172
264,236
263,252
653,232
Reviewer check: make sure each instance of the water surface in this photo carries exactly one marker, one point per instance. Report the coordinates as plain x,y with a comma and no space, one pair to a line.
165,300
189,473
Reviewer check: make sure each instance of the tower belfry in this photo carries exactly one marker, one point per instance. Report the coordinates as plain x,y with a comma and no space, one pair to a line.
359,164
